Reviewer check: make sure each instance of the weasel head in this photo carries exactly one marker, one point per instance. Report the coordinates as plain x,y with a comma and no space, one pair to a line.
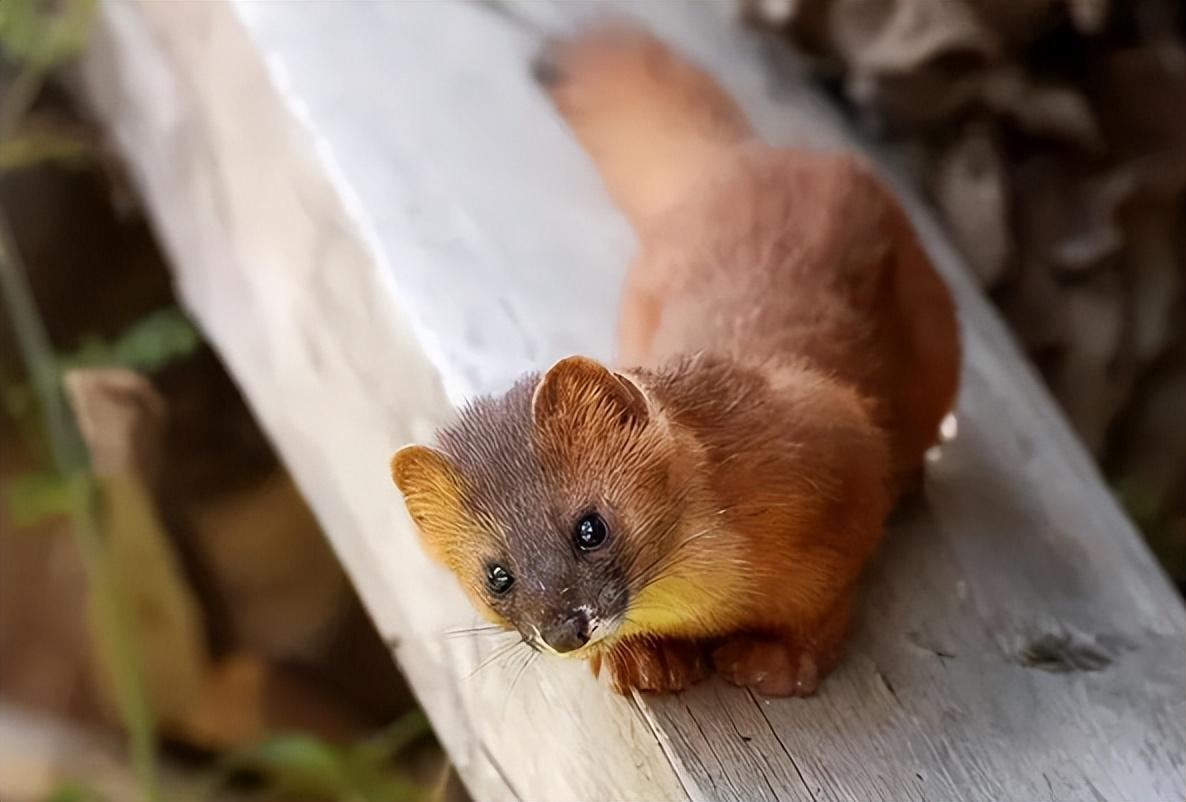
554,504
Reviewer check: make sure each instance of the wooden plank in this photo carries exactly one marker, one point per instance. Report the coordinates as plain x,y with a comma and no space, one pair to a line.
375,214
287,277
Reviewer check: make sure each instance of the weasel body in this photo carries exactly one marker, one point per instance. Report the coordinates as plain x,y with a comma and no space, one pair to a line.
789,354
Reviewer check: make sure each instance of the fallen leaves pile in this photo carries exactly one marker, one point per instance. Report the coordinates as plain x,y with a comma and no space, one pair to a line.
1051,135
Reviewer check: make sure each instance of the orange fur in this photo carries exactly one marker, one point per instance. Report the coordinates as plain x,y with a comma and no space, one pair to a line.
790,354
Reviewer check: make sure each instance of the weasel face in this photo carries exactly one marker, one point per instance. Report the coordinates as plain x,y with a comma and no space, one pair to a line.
553,504
564,589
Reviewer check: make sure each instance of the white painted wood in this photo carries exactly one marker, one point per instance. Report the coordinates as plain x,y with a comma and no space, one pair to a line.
374,214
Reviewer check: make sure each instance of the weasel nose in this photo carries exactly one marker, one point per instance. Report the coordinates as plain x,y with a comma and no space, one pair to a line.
569,634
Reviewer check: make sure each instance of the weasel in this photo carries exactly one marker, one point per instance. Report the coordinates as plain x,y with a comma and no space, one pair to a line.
787,354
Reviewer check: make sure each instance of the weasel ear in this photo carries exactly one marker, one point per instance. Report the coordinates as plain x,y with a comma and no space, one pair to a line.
583,388
431,488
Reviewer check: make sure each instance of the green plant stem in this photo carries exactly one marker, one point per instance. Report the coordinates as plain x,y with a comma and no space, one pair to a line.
41,364
437,793
123,652
397,736
71,461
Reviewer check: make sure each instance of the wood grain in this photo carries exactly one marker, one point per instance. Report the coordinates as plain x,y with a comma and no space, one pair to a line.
374,214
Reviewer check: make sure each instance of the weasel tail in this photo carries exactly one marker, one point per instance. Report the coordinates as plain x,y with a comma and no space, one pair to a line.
651,121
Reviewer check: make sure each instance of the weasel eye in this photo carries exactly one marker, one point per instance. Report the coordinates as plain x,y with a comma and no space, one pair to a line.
498,579
591,532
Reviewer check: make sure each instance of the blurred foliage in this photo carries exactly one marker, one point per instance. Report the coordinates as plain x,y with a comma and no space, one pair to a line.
1153,515
300,766
32,497
74,791
110,604
147,345
41,144
43,34
36,37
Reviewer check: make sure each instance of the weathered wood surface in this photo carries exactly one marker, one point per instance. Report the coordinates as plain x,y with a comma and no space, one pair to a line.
374,213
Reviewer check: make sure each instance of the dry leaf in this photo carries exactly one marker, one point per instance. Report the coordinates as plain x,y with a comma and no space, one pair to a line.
1091,381
874,37
1042,110
245,698
272,568
165,618
119,414
1140,93
43,641
1018,22
914,62
971,189
776,13
805,21
1089,16
1152,454
1034,307
925,98
1089,231
229,709
1153,265
1070,222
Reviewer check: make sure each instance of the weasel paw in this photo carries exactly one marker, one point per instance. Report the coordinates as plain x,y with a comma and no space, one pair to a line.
657,666
770,666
